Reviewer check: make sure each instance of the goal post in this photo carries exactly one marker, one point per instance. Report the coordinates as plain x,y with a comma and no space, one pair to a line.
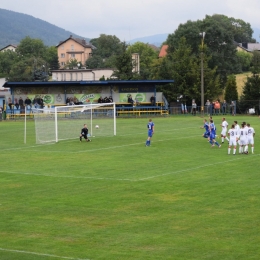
65,122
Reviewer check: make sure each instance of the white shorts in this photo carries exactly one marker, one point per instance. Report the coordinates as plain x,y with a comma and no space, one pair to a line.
224,132
250,140
232,142
243,141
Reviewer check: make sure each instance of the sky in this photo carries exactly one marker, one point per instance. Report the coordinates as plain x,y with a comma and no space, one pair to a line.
131,19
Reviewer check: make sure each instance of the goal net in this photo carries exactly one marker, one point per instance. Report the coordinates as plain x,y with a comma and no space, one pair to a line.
66,122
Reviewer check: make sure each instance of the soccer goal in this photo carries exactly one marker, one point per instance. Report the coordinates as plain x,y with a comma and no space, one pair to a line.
65,122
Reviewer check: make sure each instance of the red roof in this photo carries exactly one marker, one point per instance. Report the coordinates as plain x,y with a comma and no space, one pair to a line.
163,51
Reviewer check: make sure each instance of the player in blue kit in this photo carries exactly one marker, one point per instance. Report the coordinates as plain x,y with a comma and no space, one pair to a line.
150,127
206,127
212,137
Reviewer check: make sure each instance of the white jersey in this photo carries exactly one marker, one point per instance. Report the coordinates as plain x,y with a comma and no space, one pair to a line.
243,136
250,135
237,128
233,136
224,125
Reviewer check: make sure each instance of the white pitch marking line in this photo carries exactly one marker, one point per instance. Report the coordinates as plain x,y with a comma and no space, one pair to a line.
191,169
108,148
65,176
129,180
39,254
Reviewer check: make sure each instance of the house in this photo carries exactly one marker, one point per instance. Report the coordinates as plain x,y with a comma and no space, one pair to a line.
10,47
74,48
81,74
163,51
248,47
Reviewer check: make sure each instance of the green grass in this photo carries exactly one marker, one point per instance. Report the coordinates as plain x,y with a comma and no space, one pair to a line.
114,198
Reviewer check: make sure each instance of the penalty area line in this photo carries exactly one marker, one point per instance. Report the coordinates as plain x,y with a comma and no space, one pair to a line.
192,169
39,254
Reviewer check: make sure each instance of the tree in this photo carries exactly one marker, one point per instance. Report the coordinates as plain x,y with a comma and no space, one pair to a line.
231,93
185,69
52,58
7,59
251,92
221,32
146,56
124,65
29,47
244,61
107,47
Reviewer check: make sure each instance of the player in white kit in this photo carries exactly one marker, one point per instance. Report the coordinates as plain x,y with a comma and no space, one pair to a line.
242,139
250,137
224,126
232,133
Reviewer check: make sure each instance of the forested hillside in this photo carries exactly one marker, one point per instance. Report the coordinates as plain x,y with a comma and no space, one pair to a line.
16,26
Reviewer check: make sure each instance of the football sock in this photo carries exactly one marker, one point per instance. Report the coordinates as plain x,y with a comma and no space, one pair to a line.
252,148
80,138
229,150
246,148
222,139
210,141
227,139
217,143
234,151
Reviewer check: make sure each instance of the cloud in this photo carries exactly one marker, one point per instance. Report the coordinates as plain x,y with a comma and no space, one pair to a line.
131,19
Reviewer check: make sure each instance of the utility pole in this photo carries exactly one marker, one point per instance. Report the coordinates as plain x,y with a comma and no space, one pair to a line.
202,73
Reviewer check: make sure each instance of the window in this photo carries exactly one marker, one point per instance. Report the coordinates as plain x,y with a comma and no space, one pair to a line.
71,77
62,55
62,47
73,55
62,63
72,47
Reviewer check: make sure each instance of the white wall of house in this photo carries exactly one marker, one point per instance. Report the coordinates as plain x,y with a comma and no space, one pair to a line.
81,74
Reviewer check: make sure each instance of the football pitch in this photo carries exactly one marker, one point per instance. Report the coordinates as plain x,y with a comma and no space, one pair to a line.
114,198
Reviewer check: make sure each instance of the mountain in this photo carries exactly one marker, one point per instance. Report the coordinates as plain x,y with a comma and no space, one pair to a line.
156,40
16,26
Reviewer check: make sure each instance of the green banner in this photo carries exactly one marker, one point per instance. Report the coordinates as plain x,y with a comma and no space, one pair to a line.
138,97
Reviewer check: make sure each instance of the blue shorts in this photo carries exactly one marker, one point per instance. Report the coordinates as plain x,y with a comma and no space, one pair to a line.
150,133
212,136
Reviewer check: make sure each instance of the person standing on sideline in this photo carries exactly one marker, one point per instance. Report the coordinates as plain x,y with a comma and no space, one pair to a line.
224,126
207,105
193,108
232,133
150,127
250,137
84,133
224,107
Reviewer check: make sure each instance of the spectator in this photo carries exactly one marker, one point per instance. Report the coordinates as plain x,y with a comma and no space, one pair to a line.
1,111
193,107
110,99
100,100
130,100
16,104
10,103
67,100
207,106
224,107
28,102
152,99
217,107
232,108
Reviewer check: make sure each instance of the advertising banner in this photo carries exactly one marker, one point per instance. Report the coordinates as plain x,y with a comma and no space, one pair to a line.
138,97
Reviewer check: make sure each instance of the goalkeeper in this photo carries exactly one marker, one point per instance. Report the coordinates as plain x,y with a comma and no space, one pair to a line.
84,133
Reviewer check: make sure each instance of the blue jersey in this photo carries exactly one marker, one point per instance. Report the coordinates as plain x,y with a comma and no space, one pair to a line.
206,127
150,126
212,128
